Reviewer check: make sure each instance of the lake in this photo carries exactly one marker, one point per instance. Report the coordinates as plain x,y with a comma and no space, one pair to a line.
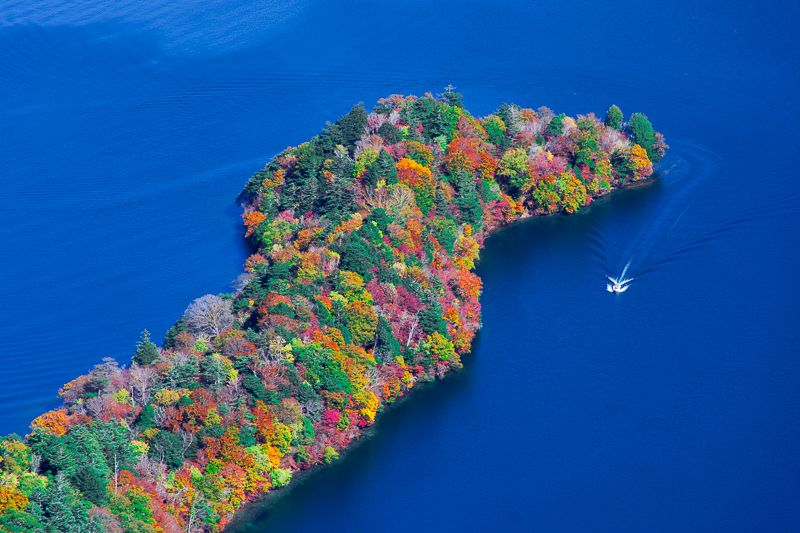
128,128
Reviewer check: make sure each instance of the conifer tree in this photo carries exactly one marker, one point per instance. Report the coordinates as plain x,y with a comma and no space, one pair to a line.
146,350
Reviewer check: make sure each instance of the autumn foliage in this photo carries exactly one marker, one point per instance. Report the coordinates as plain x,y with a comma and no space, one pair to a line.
361,285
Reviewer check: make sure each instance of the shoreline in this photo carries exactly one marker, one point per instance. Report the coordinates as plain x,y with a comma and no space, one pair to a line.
265,502
361,289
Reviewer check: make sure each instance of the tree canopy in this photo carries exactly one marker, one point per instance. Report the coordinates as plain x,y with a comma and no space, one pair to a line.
360,286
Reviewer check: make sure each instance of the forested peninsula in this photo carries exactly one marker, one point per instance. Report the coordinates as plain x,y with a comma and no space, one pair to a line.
360,287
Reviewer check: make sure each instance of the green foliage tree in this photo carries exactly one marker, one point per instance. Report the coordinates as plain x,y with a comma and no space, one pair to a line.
614,117
622,165
437,117
213,371
514,168
146,418
253,386
556,125
168,448
390,133
146,350
60,508
14,521
360,257
114,440
351,126
643,134
496,131
430,319
467,200
507,113
587,142
386,345
184,372
338,198
454,99
301,188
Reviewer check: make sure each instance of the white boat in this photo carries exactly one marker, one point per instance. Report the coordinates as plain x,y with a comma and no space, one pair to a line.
618,285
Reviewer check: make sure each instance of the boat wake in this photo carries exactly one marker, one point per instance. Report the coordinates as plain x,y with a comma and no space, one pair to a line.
619,284
664,242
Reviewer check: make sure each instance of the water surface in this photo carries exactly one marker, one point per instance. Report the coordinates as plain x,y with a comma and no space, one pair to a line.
128,128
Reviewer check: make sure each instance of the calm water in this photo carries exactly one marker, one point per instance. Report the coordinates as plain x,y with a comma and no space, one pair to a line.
127,129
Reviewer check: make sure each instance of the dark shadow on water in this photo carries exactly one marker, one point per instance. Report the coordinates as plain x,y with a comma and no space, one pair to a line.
426,403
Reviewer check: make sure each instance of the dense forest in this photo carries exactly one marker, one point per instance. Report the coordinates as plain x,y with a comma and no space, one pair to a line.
360,287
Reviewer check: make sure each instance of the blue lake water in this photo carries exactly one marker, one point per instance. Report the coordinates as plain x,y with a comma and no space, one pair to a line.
128,128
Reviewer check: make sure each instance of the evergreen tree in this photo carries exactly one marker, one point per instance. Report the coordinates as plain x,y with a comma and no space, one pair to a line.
114,441
556,125
183,373
253,386
60,509
339,195
437,117
359,257
351,126
382,169
430,319
172,333
614,117
391,134
213,372
302,185
496,134
622,165
146,350
454,99
146,418
167,447
467,201
92,485
247,435
19,521
386,346
643,134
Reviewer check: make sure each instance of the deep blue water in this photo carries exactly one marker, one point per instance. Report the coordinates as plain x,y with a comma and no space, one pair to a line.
128,128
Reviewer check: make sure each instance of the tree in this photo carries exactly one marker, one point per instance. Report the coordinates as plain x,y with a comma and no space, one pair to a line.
514,167
209,314
352,125
382,169
641,162
453,98
19,521
496,131
302,185
430,319
622,164
556,125
167,448
361,321
642,132
60,508
390,133
386,345
114,440
614,117
146,418
437,348
146,350
338,197
467,201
